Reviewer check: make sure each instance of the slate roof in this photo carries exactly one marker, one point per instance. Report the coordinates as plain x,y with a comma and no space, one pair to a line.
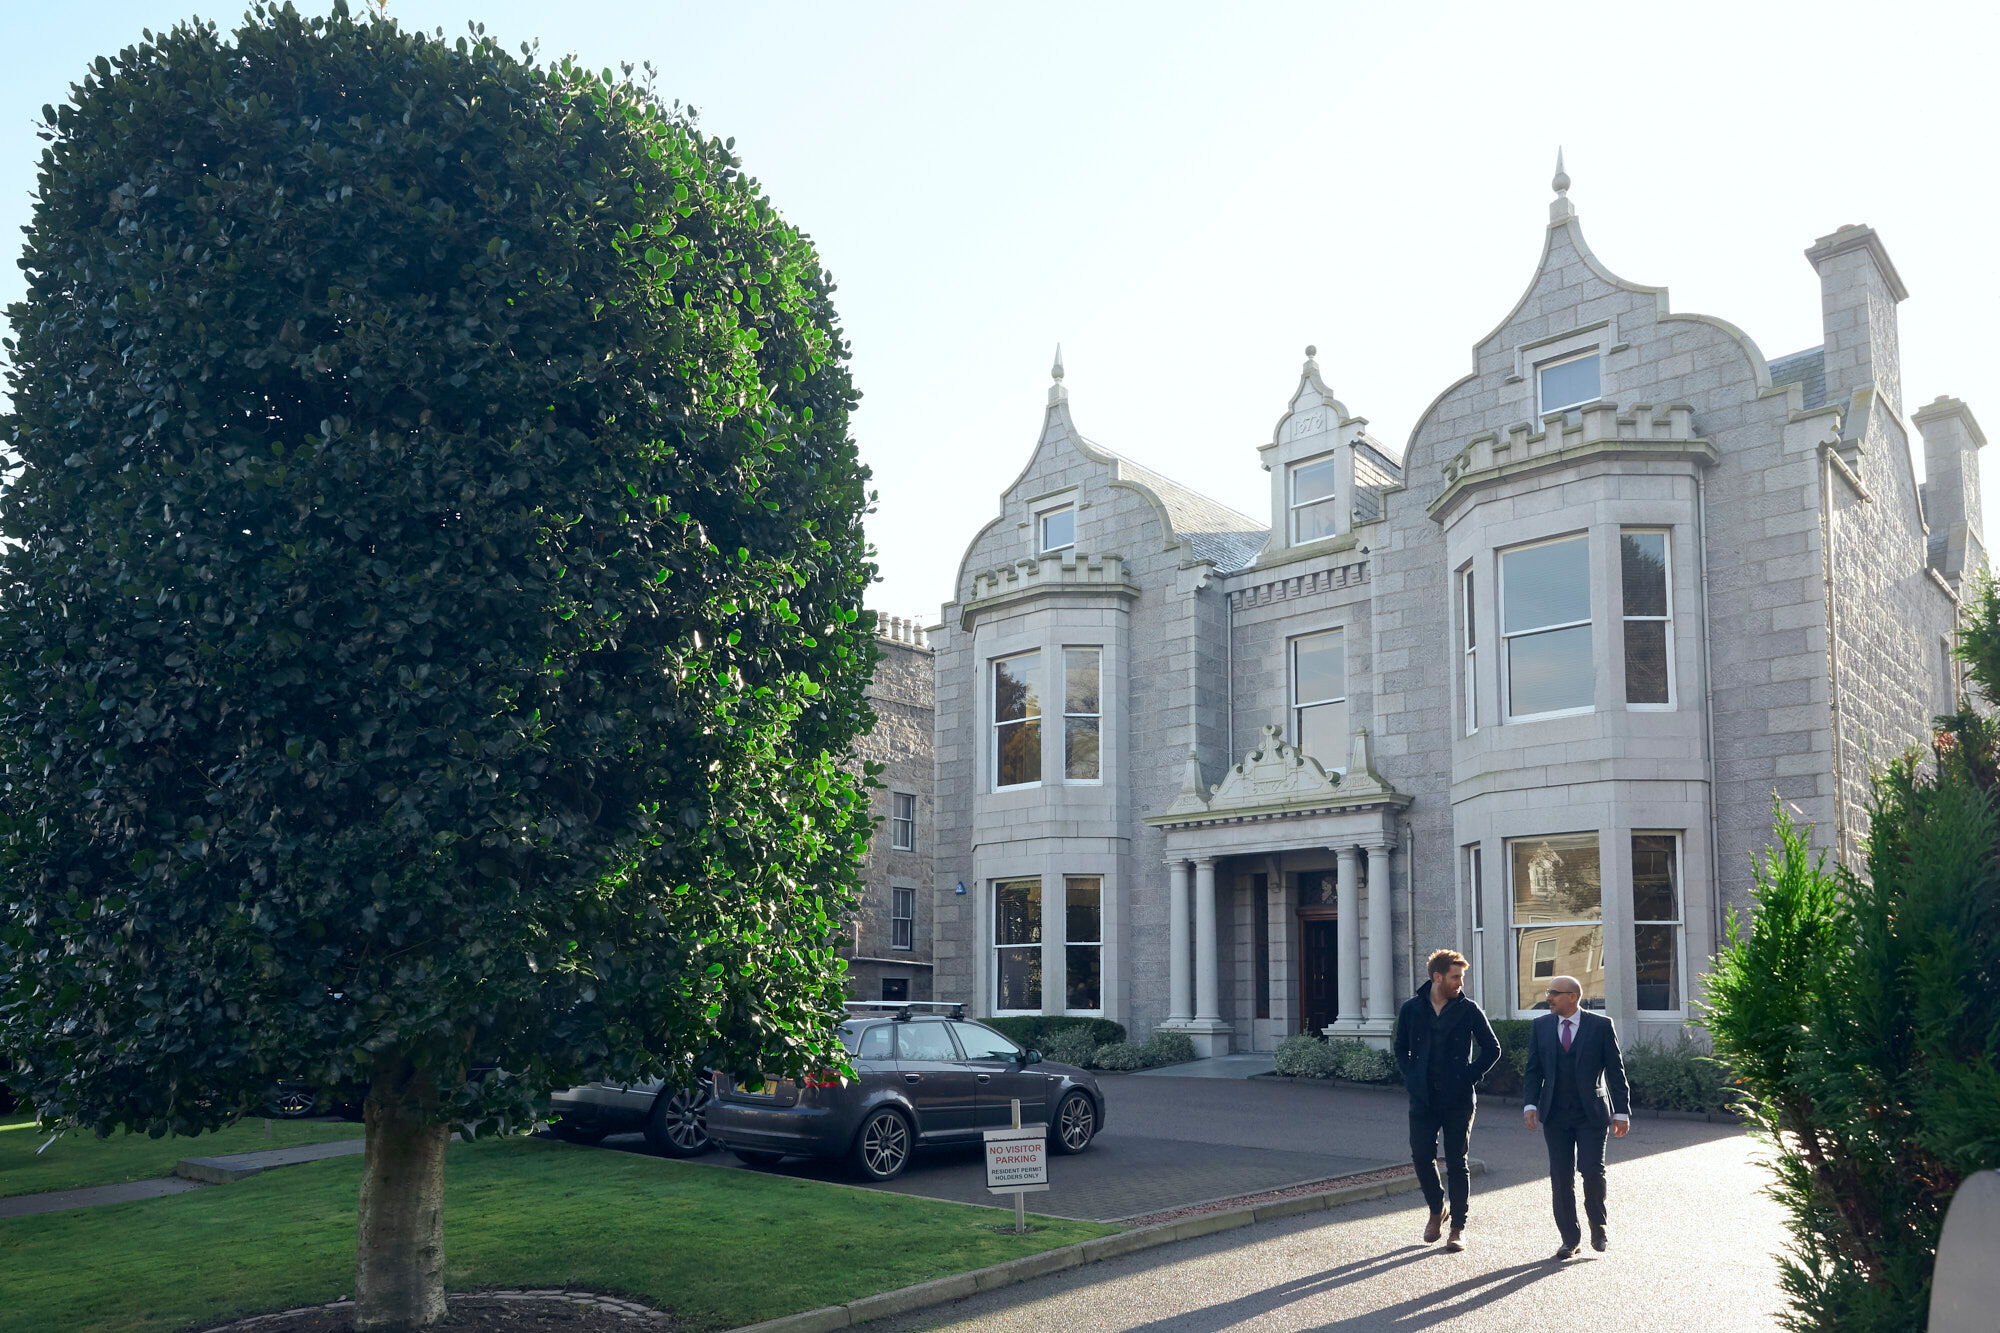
1211,529
1806,369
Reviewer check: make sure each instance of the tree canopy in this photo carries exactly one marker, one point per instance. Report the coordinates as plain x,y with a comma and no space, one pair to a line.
430,607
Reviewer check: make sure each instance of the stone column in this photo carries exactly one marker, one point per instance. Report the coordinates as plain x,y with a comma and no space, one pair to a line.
1381,967
1347,934
1180,981
1207,1006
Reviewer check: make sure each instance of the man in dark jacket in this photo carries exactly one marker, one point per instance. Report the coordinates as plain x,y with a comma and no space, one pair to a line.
1435,1034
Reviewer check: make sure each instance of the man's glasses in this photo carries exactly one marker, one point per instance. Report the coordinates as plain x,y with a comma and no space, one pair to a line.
1554,993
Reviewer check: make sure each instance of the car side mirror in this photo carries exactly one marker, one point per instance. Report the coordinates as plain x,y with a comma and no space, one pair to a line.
1032,1058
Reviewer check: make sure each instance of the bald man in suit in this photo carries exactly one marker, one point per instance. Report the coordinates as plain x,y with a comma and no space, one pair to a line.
1573,1059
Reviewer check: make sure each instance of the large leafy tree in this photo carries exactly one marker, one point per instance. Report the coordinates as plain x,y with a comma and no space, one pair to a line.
430,607
1861,1012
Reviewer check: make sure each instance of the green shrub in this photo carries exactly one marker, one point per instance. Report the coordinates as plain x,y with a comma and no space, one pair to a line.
1680,1077
1168,1048
1302,1055
1070,1046
1120,1055
1361,1063
1033,1031
1504,1079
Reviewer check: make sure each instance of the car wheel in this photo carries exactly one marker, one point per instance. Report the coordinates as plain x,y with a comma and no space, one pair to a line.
1075,1124
756,1158
677,1127
882,1148
290,1103
574,1133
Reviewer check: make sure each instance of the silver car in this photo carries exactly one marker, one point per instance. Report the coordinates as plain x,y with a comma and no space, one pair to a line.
920,1082
670,1117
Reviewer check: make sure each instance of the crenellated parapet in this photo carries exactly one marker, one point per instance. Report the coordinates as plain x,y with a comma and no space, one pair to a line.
1563,439
1057,574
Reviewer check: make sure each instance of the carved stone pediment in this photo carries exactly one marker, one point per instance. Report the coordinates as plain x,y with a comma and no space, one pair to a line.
1275,779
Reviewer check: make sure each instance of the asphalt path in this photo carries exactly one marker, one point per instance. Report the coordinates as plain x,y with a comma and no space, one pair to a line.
1692,1235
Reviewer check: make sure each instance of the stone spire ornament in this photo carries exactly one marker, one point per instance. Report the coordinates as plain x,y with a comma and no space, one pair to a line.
1560,208
1311,352
1057,393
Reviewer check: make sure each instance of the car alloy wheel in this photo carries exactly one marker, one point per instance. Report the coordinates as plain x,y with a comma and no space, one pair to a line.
883,1146
677,1126
1076,1123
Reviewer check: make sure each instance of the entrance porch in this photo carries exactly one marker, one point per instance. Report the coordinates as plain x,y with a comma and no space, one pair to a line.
1279,902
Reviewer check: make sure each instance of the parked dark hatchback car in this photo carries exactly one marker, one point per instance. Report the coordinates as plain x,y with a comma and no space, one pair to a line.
921,1082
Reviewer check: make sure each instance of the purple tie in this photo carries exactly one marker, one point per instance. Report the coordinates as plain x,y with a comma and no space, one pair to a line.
1565,1034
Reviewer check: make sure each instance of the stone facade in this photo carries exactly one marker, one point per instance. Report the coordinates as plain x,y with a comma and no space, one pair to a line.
1526,687
890,954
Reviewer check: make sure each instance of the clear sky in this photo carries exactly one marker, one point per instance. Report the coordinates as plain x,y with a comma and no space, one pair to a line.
1186,195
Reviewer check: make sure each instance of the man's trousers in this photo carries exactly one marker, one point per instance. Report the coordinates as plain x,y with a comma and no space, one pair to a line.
1575,1145
1454,1126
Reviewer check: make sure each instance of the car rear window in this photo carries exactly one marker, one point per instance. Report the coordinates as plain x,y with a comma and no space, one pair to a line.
875,1043
849,1037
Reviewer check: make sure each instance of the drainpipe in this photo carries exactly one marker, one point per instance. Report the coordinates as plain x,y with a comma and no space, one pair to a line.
1716,909
1228,677
1832,649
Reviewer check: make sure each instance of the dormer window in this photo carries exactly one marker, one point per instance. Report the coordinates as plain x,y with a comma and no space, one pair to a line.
1058,529
1568,382
1315,507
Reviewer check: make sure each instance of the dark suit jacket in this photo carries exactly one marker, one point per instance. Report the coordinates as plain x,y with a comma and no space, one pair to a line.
1598,1064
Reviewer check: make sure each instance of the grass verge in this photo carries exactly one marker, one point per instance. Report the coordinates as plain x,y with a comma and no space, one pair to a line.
721,1248
77,1160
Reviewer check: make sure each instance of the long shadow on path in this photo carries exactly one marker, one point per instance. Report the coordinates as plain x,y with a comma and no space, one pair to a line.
1458,1298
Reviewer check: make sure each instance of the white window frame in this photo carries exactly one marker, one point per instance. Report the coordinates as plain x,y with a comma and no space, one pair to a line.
1500,620
1097,717
1514,928
1042,518
1292,505
1468,638
1068,943
1542,405
1679,923
1673,684
902,827
994,722
899,899
1299,706
993,934
1475,880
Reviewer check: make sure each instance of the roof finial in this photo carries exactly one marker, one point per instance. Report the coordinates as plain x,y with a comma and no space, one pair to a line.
1560,208
1057,393
1311,351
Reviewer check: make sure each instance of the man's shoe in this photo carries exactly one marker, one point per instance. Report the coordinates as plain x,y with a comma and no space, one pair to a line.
1457,1240
1600,1239
1435,1227
1568,1250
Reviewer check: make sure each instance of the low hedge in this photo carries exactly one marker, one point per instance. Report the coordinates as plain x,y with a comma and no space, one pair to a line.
1303,1055
1162,1048
1034,1030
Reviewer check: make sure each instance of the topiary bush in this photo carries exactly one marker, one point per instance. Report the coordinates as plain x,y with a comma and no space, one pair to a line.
1120,1055
1070,1046
1680,1077
1168,1048
1362,1063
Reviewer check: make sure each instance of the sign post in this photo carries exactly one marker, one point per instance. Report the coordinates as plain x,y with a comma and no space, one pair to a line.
1017,1162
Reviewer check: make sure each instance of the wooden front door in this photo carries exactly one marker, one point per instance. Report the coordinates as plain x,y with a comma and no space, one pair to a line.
1319,1002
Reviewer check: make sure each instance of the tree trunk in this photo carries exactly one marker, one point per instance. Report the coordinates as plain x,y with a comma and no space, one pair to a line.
399,1243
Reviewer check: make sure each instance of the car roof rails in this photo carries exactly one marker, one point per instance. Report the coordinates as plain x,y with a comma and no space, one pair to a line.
901,1008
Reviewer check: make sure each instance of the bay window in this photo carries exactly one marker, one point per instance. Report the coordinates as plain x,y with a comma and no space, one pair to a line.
1017,945
1556,895
1649,639
1017,720
1545,628
1083,713
1083,943
1656,921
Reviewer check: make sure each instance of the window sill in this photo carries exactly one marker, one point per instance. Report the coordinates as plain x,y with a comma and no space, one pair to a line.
1517,718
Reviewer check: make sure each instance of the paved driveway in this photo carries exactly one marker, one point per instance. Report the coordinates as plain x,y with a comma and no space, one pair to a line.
1692,1236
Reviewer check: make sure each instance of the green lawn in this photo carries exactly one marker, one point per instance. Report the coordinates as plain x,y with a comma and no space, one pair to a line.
79,1159
721,1248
